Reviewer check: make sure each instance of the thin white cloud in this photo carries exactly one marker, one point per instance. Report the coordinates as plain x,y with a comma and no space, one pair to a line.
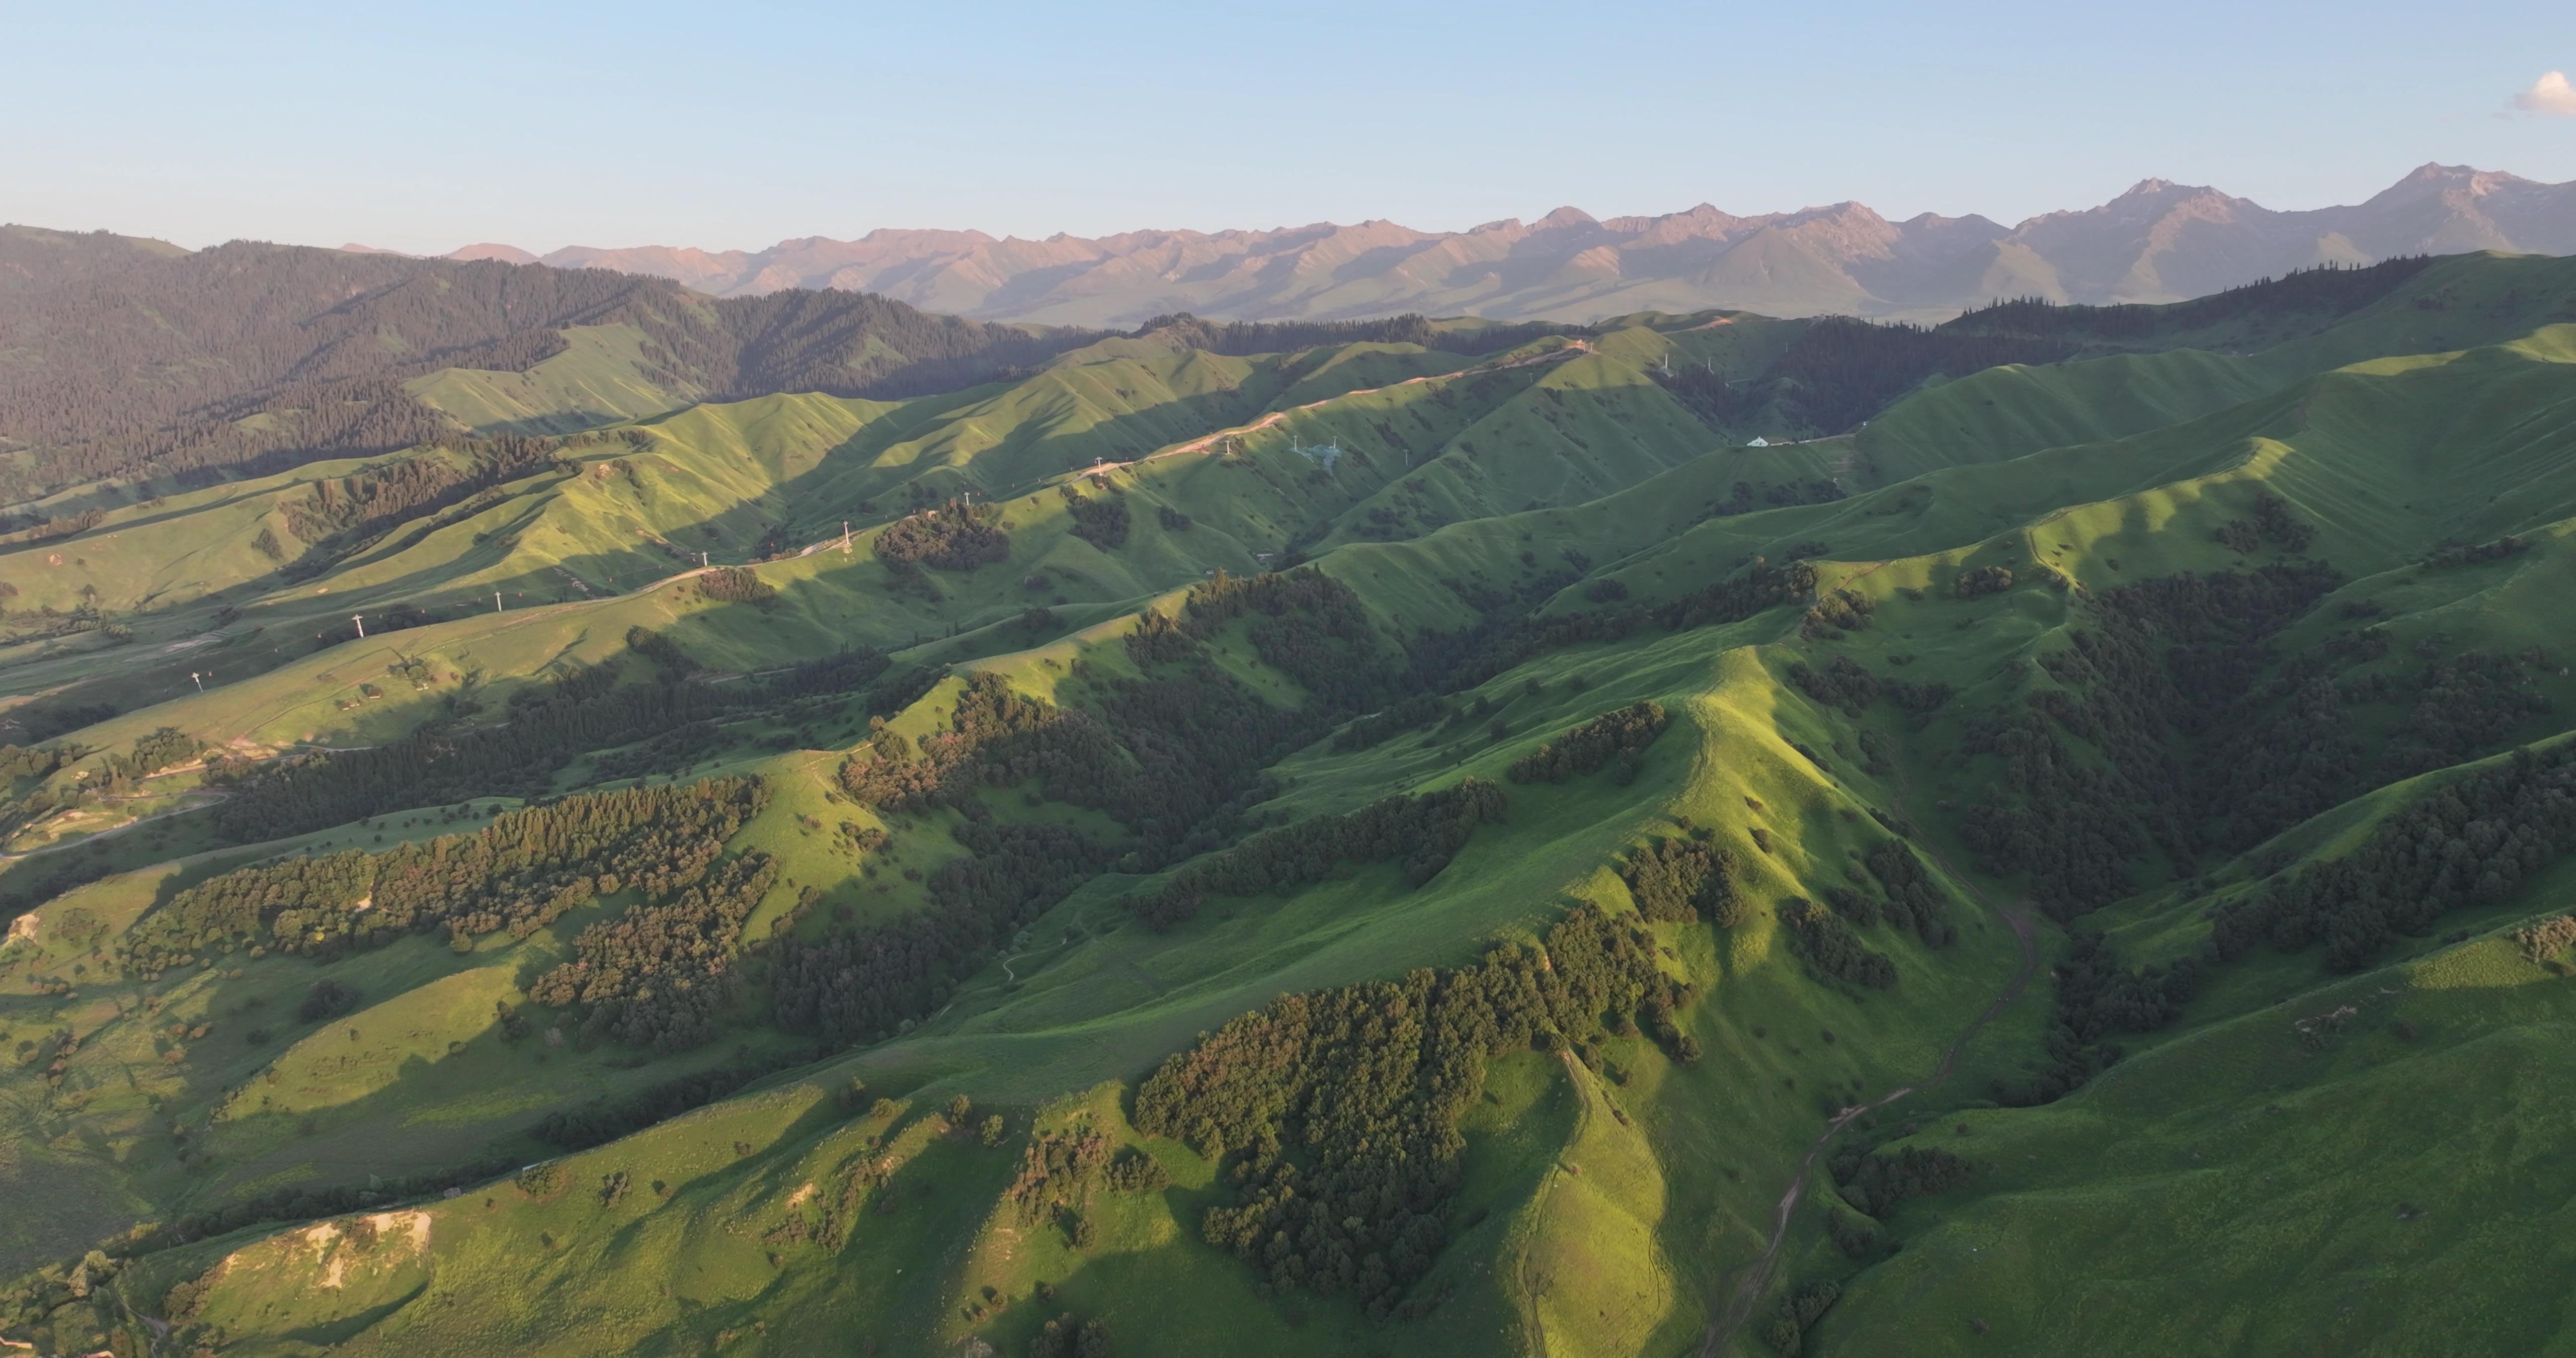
2551,94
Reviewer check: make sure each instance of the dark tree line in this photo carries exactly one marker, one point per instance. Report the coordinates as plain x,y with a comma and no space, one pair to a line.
2213,741
1819,938
656,975
2469,843
1847,684
1305,624
1621,737
1880,1182
2168,686
2453,555
1336,1113
160,363
736,585
1681,880
1101,522
953,537
2272,522
2098,999
2328,289
519,873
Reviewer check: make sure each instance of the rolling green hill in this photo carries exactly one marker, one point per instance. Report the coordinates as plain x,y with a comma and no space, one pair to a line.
1420,839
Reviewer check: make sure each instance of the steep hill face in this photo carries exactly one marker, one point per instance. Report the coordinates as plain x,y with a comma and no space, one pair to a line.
2159,242
1427,841
130,359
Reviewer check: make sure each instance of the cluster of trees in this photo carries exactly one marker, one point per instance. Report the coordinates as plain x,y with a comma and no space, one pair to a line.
655,975
1337,1112
165,747
2456,554
1161,755
1800,1309
1878,1183
1619,737
2272,522
23,771
1679,880
2167,686
1064,1337
1305,624
736,585
519,873
2097,1000
953,537
1101,522
1982,580
2547,938
1828,946
1836,614
1423,833
864,984
1912,899
1058,1171
2463,706
1851,686
2468,843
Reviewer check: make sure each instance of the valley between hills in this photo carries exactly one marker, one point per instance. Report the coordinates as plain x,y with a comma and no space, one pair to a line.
549,812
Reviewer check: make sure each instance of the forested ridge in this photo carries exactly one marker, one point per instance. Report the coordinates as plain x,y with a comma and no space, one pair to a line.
1436,937
160,366
1336,1113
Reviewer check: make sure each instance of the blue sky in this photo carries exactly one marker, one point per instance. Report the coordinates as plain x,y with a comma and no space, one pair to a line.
735,125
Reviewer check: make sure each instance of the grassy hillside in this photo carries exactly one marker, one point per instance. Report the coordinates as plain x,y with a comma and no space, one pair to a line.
1406,849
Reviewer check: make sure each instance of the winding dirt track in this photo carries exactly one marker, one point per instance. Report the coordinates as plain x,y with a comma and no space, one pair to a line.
1755,1278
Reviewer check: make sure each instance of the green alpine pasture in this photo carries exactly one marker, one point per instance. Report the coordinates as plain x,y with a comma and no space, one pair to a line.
2294,1158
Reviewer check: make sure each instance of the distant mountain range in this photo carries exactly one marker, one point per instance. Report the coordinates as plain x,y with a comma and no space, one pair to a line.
2158,242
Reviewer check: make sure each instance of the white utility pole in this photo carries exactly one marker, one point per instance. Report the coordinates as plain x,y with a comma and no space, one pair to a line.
702,561
496,601
845,537
361,620
201,680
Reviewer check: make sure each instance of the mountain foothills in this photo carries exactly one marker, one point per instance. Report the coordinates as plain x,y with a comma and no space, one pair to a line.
2159,242
549,813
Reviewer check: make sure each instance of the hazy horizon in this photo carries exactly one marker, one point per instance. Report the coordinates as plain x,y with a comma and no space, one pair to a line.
422,130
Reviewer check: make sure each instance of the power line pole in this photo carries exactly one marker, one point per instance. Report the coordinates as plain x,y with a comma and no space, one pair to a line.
361,620
496,601
201,680
702,561
845,537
